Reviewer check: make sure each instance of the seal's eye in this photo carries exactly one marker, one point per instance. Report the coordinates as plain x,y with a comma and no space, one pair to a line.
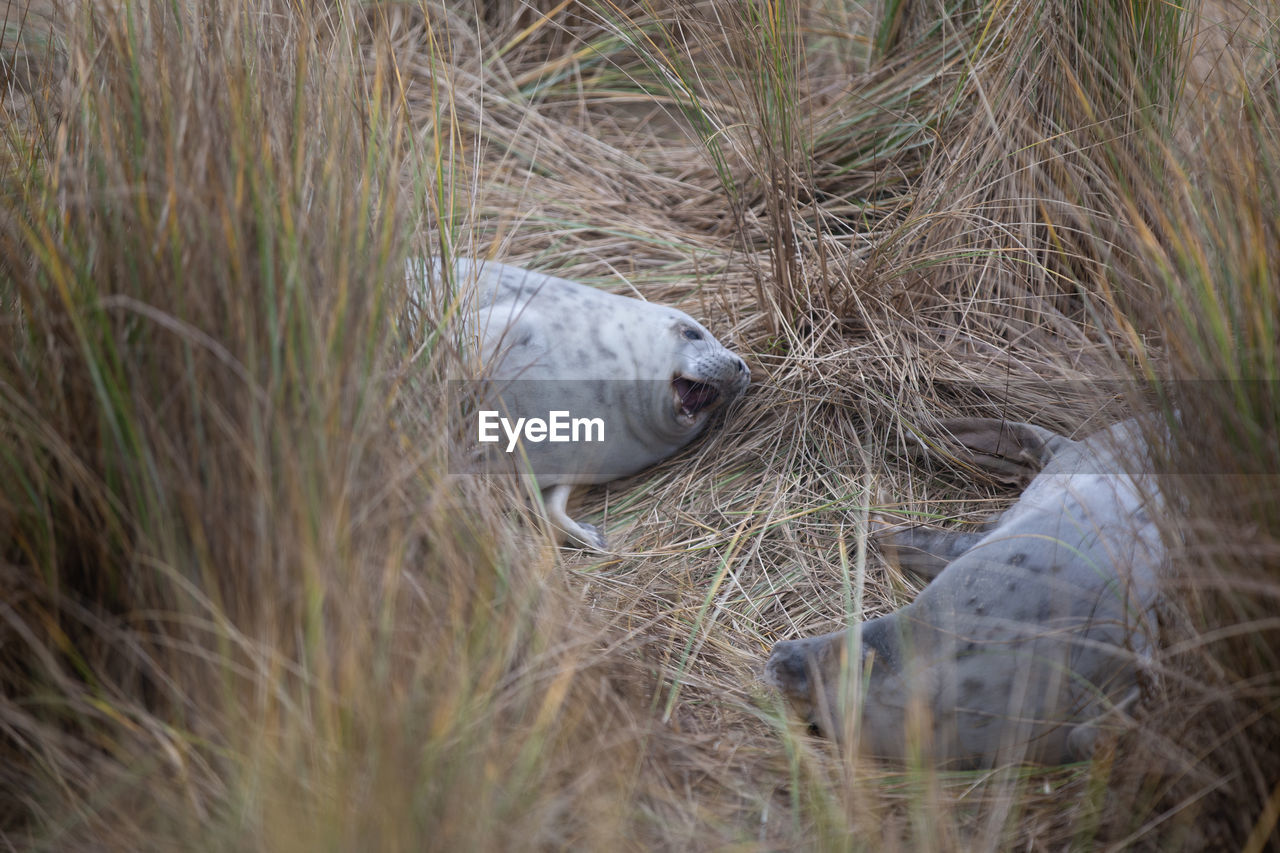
692,335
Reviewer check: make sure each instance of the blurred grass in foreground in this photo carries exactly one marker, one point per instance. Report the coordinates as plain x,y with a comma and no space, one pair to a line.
240,605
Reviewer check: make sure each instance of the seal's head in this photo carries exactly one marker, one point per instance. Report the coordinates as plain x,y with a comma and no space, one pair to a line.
813,673
807,673
706,376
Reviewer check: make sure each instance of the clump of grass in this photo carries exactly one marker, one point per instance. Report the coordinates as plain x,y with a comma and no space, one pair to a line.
1207,238
194,274
244,604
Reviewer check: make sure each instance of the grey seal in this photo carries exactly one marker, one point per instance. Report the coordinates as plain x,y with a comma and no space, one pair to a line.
1032,630
650,374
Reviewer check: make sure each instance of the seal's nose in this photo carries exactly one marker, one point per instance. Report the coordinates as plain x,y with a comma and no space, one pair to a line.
742,366
788,668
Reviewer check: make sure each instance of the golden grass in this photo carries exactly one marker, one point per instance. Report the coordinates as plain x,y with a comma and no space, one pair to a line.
243,604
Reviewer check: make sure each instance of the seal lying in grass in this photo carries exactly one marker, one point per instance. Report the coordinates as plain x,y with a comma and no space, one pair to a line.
1032,628
651,375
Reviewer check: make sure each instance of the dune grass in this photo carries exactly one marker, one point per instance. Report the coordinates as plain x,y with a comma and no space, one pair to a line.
245,605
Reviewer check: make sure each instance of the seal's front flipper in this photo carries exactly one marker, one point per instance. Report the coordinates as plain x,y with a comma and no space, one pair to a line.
592,536
925,551
556,500
1008,451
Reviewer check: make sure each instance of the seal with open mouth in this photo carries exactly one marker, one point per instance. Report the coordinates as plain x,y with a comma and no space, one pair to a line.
650,373
1032,631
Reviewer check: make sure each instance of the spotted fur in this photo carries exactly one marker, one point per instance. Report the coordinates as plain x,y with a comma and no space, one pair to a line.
1032,631
548,343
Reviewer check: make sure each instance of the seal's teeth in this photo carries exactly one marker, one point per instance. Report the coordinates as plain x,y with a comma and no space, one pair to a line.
694,396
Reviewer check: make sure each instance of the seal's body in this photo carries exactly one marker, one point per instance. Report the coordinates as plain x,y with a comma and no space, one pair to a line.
1032,629
651,374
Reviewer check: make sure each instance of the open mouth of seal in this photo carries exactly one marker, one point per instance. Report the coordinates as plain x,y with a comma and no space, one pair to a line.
692,397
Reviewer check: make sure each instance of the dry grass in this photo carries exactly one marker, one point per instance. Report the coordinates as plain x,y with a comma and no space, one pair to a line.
244,605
